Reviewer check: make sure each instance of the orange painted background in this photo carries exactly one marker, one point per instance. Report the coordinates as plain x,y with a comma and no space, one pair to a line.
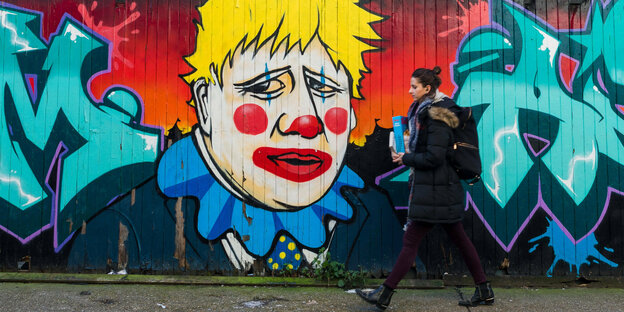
150,39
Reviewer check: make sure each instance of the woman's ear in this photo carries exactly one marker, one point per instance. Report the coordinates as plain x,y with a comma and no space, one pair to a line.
202,104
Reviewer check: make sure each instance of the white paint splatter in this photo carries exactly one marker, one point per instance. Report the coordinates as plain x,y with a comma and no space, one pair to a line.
151,142
74,32
548,43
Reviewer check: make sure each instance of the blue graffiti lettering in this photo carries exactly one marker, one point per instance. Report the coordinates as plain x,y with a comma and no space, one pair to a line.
63,139
549,118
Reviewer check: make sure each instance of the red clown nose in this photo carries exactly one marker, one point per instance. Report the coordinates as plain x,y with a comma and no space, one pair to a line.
307,126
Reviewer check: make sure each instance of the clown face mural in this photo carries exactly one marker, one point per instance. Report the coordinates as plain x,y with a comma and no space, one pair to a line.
277,130
274,118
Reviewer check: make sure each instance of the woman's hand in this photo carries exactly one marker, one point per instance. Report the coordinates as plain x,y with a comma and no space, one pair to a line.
398,158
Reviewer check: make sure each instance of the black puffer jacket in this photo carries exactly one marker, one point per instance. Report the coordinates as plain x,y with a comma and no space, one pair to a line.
437,195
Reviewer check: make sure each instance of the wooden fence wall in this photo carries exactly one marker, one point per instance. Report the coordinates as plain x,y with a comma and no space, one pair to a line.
224,135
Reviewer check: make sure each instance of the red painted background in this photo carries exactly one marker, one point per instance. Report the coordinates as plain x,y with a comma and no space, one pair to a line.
150,39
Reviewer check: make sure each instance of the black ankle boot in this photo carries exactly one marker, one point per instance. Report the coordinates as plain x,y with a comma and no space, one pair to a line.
483,295
379,297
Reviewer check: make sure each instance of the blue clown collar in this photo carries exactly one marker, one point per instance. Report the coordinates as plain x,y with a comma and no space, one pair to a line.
182,172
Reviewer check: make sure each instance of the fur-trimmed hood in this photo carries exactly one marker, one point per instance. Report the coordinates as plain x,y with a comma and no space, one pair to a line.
445,115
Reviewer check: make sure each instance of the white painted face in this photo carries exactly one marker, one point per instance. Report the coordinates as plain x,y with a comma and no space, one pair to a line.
278,129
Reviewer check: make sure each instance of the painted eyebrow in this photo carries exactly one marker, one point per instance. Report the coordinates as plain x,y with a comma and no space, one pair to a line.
312,73
255,79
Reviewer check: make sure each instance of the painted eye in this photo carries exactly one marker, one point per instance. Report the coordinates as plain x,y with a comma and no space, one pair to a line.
266,87
321,89
266,90
620,108
314,84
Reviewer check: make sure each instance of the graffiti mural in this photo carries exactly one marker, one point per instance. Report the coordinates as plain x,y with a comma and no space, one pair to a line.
54,133
243,136
534,158
273,105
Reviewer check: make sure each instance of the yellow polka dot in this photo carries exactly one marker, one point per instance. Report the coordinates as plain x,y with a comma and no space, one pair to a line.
270,260
297,256
290,266
282,255
291,246
282,239
275,266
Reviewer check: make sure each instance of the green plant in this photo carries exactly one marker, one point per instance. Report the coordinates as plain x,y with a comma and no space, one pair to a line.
327,270
285,271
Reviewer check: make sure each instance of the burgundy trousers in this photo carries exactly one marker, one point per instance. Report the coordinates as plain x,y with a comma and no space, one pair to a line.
416,231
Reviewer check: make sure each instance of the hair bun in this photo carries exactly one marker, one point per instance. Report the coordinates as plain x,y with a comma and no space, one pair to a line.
436,70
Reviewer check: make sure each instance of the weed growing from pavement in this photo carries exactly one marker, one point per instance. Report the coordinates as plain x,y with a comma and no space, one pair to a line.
327,270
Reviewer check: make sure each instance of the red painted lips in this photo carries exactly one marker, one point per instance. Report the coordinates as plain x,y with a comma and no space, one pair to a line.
298,165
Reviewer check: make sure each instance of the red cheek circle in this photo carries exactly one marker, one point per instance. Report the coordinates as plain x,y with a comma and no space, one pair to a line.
336,120
250,119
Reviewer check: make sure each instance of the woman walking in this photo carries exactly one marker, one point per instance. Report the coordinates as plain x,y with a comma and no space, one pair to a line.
436,194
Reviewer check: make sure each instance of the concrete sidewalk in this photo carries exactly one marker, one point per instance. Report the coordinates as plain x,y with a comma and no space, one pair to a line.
17,296
507,281
104,292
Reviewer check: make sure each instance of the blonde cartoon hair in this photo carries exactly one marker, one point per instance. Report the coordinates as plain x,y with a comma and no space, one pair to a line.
229,25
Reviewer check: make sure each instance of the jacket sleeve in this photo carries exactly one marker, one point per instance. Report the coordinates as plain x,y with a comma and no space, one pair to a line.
439,136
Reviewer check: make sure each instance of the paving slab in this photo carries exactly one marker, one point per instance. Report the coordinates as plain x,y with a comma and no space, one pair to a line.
174,297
